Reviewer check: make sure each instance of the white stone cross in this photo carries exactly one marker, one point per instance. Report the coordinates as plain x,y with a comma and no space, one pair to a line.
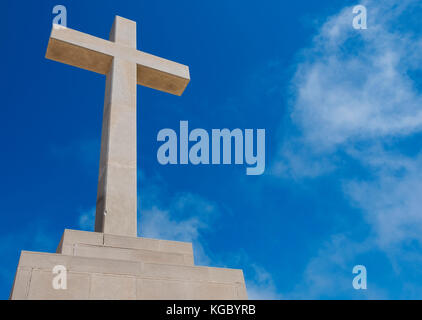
124,67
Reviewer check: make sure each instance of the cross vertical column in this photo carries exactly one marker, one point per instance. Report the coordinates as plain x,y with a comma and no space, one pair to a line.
116,209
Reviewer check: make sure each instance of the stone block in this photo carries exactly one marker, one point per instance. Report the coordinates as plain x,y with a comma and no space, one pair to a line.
130,254
147,244
41,286
70,237
241,292
21,284
99,245
112,287
95,278
153,289
206,291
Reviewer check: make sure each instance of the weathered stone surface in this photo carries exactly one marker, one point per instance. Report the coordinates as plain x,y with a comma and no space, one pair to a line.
113,263
103,266
112,287
147,244
41,288
21,283
93,278
99,245
152,289
71,237
124,67
95,54
129,254
207,291
117,195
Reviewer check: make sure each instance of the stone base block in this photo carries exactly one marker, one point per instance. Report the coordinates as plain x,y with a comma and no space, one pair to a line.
100,245
101,266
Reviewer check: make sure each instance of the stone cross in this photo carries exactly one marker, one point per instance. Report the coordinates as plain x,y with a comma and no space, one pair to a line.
124,67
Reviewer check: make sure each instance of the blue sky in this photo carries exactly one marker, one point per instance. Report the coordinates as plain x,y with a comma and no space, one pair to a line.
341,110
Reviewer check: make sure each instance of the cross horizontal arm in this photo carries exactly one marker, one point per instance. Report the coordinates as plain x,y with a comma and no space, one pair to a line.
95,54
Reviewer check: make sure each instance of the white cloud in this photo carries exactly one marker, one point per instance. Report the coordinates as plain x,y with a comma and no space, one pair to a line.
260,285
354,98
182,216
297,160
329,273
392,202
354,85
353,94
188,217
158,207
157,223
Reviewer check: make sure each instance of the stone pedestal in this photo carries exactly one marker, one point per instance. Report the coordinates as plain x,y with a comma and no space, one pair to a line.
105,266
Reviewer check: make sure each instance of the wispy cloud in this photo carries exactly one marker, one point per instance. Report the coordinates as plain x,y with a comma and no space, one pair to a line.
353,94
260,284
392,201
354,99
353,86
188,217
329,274
181,217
